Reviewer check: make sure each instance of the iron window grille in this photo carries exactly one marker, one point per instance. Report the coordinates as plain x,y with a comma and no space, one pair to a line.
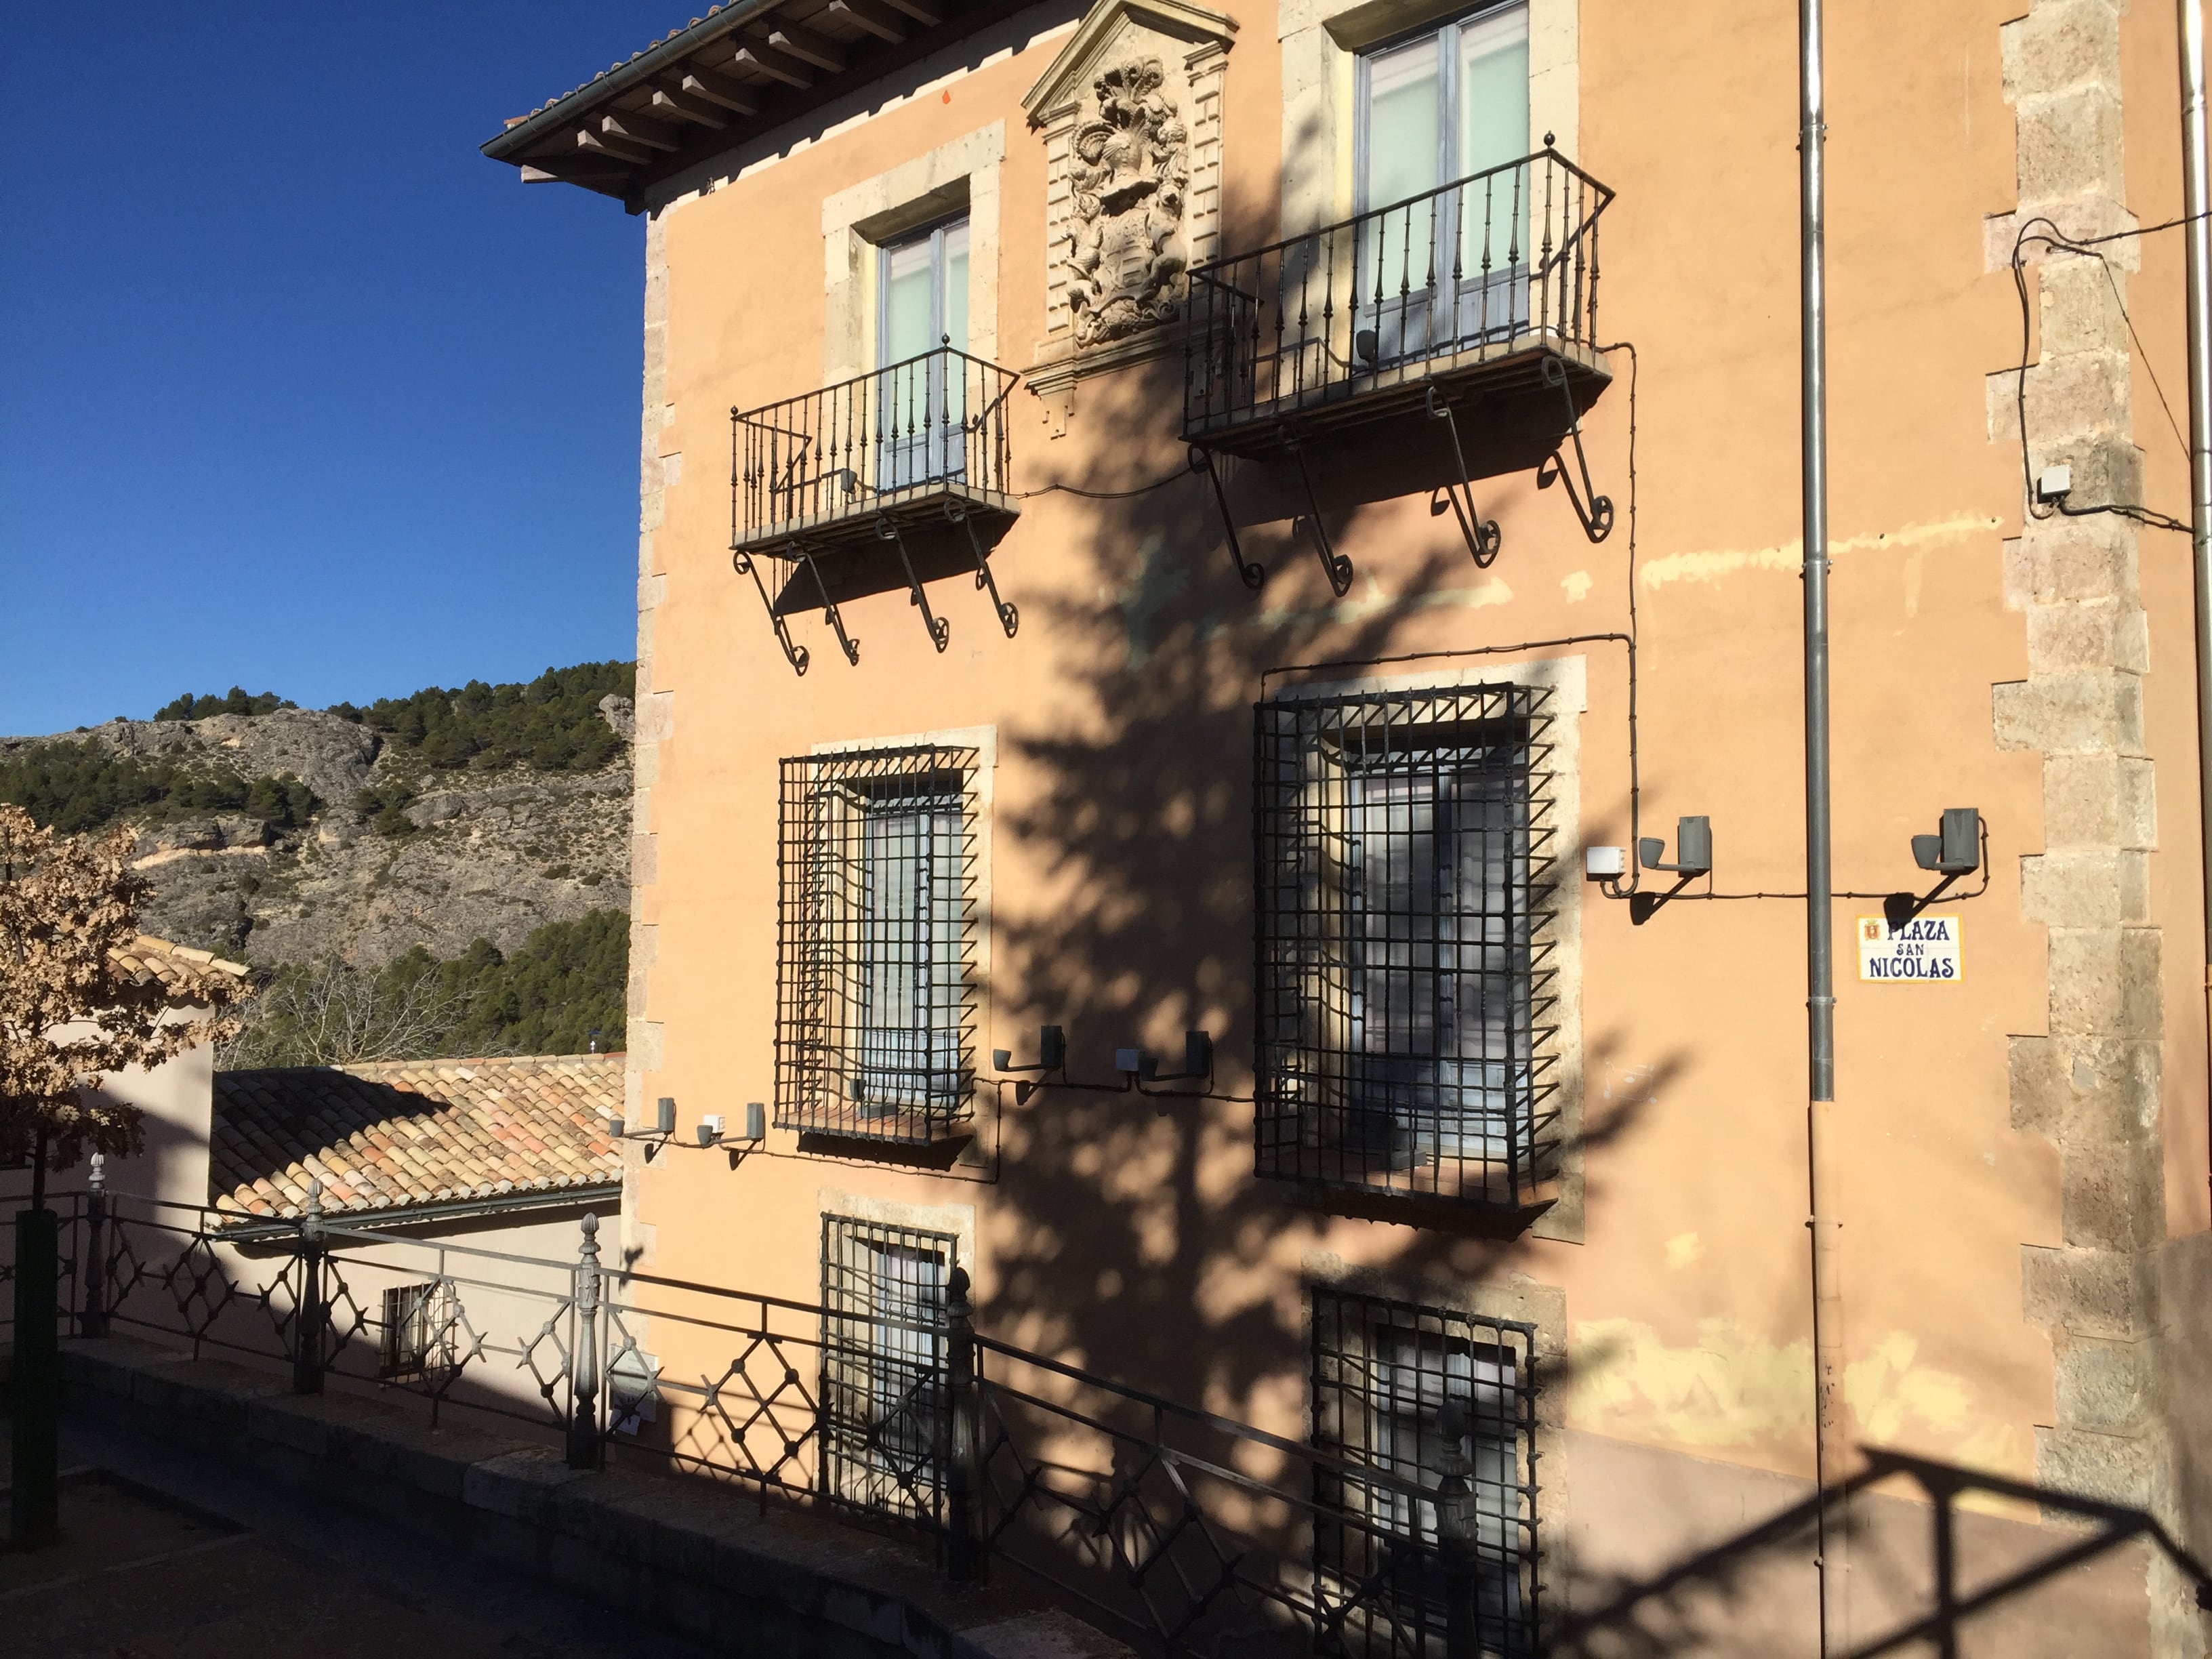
416,1341
886,1422
1405,964
1383,1371
876,927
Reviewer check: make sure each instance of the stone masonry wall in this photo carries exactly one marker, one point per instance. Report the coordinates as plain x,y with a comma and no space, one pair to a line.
654,701
2091,1082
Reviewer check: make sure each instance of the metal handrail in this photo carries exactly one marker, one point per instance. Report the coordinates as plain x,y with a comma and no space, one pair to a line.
932,420
311,1297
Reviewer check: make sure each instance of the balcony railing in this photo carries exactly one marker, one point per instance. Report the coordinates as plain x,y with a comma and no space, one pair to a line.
931,426
1496,268
883,481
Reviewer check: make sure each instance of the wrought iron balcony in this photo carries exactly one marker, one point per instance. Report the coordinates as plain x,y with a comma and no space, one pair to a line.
1457,328
887,480
1477,281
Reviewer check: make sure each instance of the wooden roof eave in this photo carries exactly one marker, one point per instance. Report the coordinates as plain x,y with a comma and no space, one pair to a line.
552,142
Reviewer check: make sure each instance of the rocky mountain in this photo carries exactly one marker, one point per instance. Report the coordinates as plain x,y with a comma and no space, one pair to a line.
391,852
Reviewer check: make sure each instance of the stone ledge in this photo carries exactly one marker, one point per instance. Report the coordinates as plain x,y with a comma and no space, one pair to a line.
685,1554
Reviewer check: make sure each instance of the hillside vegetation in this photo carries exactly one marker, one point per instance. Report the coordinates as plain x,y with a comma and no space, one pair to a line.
561,994
431,874
551,724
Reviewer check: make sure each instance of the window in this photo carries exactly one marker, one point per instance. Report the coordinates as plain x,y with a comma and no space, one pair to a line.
922,306
417,1336
1383,1373
875,952
885,1431
1444,264
1403,908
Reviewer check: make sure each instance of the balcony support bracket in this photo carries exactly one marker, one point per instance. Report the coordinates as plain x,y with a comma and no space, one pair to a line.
1249,572
793,652
1009,617
1333,564
1595,511
851,647
1483,537
940,631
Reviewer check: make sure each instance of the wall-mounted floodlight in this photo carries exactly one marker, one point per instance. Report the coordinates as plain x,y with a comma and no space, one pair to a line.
1052,1053
662,1132
1693,848
1693,857
1955,848
1197,1061
756,1121
1051,1056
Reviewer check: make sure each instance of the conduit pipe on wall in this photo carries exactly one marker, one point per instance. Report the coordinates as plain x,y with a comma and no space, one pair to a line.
1829,1449
2196,240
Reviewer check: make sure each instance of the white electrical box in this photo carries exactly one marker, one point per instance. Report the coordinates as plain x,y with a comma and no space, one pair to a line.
1600,863
2054,483
1128,1060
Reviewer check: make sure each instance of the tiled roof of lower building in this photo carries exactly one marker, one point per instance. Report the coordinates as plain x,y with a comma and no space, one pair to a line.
172,965
395,1135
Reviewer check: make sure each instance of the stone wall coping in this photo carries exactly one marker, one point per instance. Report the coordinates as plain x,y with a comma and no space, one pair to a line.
702,1558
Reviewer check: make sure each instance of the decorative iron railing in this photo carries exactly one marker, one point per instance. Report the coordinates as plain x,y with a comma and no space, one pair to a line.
1186,1532
1479,269
933,424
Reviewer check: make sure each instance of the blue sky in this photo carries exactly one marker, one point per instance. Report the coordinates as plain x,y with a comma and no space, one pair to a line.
298,391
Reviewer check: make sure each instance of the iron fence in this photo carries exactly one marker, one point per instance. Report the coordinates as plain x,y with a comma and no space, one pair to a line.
933,424
1479,269
1186,1532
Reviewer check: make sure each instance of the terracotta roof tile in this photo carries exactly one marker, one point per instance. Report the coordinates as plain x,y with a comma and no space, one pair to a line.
398,1133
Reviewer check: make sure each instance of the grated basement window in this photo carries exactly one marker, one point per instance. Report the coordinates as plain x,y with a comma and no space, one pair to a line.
875,943
1403,850
417,1335
1382,1373
886,1423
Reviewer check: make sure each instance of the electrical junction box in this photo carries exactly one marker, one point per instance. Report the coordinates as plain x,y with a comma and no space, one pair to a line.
1603,863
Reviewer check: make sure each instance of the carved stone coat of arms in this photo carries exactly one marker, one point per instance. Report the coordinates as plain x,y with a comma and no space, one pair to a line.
1128,175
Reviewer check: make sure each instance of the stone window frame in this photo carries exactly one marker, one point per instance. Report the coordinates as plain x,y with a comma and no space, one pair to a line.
1567,678
1321,42
960,175
1519,1298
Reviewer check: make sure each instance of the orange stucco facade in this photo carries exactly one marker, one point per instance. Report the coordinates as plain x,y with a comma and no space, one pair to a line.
1976,660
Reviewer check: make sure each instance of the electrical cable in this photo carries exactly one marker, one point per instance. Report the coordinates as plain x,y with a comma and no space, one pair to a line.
1104,495
2083,247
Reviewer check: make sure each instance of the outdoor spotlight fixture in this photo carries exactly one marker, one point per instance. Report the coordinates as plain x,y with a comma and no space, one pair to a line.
1367,346
1197,1061
1693,848
756,1121
1051,1056
1693,857
1955,848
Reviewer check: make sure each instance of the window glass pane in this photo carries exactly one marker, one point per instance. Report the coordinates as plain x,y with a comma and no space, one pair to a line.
911,932
1404,153
1494,130
1404,93
909,294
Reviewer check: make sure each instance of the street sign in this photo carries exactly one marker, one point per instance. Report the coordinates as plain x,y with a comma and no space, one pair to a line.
1922,949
